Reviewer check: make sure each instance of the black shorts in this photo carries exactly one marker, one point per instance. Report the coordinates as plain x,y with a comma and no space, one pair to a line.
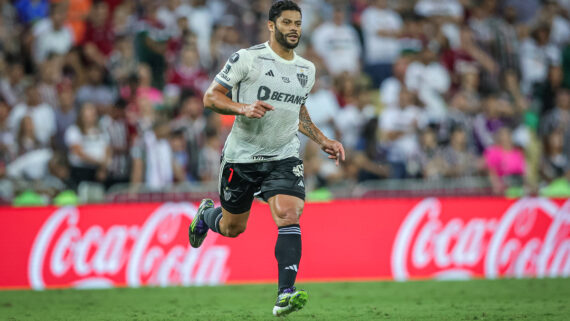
240,182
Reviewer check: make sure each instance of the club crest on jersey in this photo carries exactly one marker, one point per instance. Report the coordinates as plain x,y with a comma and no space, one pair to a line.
302,77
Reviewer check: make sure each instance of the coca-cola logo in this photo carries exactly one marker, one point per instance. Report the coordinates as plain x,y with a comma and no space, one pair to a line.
532,238
68,252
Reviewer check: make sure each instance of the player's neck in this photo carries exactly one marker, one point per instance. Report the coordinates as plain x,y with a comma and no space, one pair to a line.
287,54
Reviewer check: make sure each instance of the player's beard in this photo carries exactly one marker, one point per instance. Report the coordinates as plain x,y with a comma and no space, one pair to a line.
282,39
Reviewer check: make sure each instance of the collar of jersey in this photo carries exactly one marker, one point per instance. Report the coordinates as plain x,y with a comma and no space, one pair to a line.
279,58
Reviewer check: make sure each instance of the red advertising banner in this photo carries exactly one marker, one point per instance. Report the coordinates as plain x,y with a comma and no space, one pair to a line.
147,244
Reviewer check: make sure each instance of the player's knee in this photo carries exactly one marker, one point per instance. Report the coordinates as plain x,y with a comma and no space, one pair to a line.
233,230
288,216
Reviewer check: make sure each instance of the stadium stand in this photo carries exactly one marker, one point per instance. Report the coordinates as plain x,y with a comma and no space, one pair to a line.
430,97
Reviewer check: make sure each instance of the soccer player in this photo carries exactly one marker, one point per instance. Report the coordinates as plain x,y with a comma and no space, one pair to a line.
268,85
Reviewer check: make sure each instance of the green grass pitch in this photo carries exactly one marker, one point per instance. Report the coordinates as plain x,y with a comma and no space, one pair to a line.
529,299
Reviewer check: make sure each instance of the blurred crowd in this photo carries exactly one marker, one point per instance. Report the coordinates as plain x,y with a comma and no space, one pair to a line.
110,91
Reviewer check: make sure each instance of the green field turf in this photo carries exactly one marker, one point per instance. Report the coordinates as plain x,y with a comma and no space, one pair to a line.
546,299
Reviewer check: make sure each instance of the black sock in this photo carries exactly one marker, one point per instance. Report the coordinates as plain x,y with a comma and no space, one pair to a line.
288,255
212,217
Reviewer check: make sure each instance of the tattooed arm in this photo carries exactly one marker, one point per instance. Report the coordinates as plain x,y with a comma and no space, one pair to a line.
217,100
329,146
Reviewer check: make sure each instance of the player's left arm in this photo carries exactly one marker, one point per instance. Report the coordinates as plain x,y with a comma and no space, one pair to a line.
330,146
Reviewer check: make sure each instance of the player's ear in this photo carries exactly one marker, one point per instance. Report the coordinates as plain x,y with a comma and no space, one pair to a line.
270,25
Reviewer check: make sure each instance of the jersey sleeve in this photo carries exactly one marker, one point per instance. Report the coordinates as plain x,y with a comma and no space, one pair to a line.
235,69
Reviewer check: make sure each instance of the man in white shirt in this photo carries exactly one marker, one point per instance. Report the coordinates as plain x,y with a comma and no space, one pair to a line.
52,35
398,128
338,44
381,27
41,113
390,87
430,80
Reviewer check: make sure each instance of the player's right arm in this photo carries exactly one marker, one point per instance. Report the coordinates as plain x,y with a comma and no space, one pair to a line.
234,71
217,100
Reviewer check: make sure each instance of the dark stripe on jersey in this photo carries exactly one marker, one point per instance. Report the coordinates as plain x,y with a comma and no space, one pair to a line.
228,87
238,88
302,66
263,58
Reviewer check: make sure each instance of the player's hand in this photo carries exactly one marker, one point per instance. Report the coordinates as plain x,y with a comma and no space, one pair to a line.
334,149
256,110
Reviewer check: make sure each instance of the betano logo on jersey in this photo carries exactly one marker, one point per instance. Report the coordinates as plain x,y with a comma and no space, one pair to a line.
264,93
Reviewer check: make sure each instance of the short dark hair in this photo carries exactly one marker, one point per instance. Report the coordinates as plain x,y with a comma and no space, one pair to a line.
278,7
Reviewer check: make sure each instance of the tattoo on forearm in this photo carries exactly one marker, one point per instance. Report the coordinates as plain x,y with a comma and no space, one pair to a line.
221,110
307,127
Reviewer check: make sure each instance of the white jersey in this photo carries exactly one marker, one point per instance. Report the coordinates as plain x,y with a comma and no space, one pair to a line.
258,73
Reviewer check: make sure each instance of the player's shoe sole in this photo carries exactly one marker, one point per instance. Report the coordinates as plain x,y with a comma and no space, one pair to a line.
296,301
198,229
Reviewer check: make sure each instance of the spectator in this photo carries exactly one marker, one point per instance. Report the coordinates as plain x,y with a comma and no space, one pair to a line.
323,107
30,11
180,151
201,22
192,121
467,57
7,140
58,176
50,77
114,126
459,159
545,93
525,10
99,36
551,15
487,123
398,128
210,155
77,13
89,150
338,44
225,41
381,28
559,119
151,41
122,62
13,84
351,120
124,20
65,115
555,163
153,162
495,35
41,113
52,35
26,139
430,80
462,112
168,15
536,55
504,161
345,86
413,37
390,88
95,91
187,74
428,161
